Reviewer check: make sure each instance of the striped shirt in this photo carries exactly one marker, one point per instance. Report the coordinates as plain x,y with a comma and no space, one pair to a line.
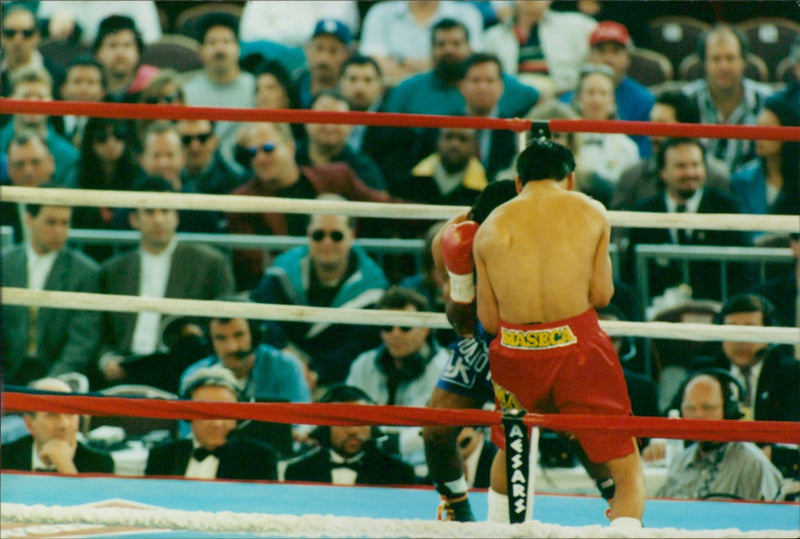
733,152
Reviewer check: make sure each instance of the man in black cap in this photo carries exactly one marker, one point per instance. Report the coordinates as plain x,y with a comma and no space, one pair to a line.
326,53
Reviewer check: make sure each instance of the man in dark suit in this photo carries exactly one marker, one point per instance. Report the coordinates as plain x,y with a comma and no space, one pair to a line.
681,165
770,376
214,450
171,270
349,455
53,445
30,164
39,342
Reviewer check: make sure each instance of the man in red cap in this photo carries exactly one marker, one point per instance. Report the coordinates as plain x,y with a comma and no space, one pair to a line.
610,44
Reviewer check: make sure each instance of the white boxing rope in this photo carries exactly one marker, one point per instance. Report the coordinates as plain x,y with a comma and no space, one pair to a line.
329,525
254,204
296,313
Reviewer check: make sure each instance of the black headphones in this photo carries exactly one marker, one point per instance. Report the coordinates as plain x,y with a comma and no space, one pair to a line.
730,406
747,303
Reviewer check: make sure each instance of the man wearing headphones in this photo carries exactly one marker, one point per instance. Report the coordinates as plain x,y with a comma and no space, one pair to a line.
212,453
263,371
707,469
349,455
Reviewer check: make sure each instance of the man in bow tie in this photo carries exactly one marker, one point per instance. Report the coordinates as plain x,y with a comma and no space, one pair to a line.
215,451
53,444
349,455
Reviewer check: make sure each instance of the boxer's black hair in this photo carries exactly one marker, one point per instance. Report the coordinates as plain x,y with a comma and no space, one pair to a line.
496,193
544,160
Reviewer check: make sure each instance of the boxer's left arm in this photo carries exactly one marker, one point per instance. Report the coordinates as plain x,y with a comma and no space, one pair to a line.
460,315
601,286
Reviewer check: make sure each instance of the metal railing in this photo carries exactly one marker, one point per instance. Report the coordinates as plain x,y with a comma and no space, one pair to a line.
706,253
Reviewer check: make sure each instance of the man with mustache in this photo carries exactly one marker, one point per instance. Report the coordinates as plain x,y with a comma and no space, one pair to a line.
682,169
222,82
264,372
349,455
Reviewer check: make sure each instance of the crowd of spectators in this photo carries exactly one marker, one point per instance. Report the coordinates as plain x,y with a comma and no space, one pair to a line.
483,59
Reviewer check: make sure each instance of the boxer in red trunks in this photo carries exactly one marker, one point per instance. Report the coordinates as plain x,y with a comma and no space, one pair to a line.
542,267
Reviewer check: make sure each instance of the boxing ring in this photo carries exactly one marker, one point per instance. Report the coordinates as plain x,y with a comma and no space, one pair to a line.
94,505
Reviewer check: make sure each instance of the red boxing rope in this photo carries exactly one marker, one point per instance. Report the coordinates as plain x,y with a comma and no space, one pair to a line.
347,414
174,112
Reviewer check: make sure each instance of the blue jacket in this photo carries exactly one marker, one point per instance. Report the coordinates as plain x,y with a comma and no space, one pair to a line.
64,154
331,347
748,186
276,376
426,93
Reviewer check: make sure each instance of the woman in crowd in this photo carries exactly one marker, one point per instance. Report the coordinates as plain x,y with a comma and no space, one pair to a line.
274,90
106,162
601,158
770,183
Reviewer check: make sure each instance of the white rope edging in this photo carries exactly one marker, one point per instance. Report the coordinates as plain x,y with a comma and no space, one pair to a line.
294,313
256,204
334,526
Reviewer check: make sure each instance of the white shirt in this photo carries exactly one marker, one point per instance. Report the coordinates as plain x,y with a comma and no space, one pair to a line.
37,463
205,469
692,204
39,267
344,476
154,274
471,464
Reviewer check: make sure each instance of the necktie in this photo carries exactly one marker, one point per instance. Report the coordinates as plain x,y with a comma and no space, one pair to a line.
683,236
32,348
201,453
748,386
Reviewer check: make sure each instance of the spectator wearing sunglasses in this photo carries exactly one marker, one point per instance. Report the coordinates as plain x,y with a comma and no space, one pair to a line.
330,271
205,170
107,161
163,89
20,42
402,371
268,151
477,452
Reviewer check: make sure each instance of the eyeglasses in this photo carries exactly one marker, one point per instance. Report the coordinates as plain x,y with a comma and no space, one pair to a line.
27,33
319,235
389,329
268,147
201,137
464,443
163,99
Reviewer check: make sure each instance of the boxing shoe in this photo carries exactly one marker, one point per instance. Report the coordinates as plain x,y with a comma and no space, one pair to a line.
457,509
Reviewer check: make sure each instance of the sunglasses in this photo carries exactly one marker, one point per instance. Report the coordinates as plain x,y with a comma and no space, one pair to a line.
319,235
389,329
201,137
9,33
163,99
101,137
464,443
269,147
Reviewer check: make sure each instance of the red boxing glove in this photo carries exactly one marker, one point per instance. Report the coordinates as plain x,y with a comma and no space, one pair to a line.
457,253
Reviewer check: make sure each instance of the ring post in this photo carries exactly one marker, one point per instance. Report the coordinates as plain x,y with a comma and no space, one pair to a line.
517,465
540,129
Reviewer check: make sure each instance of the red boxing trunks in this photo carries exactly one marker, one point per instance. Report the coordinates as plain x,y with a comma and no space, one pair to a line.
569,367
